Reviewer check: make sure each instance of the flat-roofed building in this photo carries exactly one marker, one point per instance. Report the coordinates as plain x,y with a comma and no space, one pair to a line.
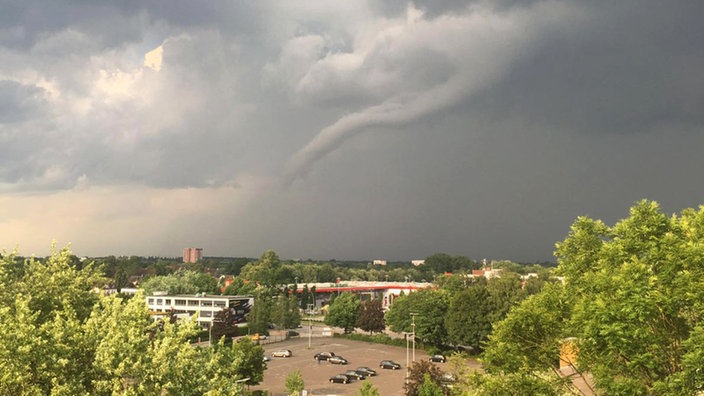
201,305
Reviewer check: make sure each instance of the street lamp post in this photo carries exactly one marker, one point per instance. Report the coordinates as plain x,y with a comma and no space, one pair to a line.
310,323
413,328
407,372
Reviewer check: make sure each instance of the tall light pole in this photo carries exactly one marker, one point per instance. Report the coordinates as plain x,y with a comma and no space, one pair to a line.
413,328
407,373
310,323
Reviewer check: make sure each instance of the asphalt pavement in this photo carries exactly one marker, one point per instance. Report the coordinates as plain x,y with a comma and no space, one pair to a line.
316,375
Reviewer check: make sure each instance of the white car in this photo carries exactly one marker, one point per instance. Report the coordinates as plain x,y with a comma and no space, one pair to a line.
282,353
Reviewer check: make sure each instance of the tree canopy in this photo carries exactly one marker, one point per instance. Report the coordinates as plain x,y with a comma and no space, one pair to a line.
371,316
343,311
61,337
632,302
429,308
181,282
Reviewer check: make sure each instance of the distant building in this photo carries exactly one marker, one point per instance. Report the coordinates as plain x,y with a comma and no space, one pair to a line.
379,262
366,290
416,263
192,255
486,272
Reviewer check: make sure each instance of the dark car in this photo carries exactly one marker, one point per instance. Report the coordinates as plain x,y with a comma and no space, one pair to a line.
337,360
358,375
389,364
438,358
369,372
323,355
339,378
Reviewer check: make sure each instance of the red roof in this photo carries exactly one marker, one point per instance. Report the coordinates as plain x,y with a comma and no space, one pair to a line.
364,288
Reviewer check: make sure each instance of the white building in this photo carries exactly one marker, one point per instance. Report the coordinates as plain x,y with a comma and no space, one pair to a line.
201,305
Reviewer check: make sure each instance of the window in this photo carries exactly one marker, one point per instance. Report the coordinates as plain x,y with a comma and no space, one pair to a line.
193,303
206,314
220,304
159,301
151,301
206,303
180,302
168,301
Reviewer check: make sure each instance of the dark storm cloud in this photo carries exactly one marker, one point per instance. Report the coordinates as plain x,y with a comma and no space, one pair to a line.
636,66
472,127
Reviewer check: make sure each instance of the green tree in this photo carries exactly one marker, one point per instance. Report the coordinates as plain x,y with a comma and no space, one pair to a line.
239,287
429,388
264,271
468,319
343,312
294,383
371,316
632,301
43,305
181,282
454,283
224,324
420,372
285,313
62,338
368,389
250,361
441,263
504,293
260,314
428,307
121,278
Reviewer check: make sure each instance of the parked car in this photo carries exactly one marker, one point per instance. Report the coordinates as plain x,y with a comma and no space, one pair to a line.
323,355
266,358
282,353
337,360
355,375
339,378
389,364
438,358
367,370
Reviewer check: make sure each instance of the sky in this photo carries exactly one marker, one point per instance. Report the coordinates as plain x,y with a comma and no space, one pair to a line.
348,130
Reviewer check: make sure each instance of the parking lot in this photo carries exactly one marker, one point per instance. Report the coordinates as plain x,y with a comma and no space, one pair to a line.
316,375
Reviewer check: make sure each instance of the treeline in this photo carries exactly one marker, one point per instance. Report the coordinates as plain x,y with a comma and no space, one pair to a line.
125,270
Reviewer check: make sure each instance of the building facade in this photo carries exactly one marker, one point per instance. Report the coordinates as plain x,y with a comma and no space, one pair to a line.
203,306
192,255
384,291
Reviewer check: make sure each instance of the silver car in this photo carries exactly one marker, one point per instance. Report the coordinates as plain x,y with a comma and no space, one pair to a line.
282,353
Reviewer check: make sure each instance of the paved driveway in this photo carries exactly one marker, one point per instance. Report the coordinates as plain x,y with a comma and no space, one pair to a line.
316,375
